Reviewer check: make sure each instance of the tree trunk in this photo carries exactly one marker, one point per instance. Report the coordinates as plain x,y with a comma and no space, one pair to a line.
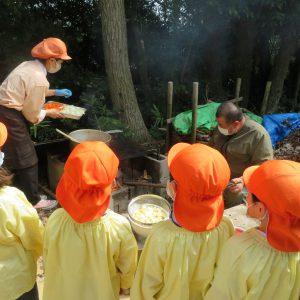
140,48
245,35
280,69
114,34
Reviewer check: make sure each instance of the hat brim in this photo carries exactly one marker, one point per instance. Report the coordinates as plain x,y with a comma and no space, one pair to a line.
248,174
282,233
82,205
198,216
3,134
175,150
65,57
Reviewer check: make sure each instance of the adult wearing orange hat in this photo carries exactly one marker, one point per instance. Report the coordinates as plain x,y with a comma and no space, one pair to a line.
180,254
21,234
89,251
264,262
22,95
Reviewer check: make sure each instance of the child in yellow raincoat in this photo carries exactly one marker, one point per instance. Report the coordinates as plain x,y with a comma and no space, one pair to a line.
264,263
89,251
179,257
21,238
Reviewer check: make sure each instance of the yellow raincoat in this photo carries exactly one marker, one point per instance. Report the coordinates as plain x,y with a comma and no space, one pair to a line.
177,264
88,261
21,243
249,268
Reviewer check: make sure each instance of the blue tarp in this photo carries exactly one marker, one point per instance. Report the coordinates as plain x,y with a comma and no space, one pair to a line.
280,126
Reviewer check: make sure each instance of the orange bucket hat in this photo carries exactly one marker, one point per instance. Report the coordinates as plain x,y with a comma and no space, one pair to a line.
276,183
3,134
201,174
50,48
85,187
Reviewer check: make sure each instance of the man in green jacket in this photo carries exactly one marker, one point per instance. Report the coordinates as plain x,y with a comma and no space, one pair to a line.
244,143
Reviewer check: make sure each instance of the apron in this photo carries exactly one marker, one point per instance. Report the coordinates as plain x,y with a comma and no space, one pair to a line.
19,148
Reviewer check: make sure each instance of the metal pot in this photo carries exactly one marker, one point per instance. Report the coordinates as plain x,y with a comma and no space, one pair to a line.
84,135
140,228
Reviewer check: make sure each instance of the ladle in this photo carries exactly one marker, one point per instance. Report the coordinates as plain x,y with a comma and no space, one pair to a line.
67,136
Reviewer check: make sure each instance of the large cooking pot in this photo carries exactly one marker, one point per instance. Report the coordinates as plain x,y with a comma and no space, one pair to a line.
84,135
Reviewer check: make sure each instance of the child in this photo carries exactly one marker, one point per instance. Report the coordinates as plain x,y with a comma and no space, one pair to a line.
89,252
180,254
264,263
21,238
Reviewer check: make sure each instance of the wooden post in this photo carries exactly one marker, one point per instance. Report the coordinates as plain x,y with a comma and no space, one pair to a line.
264,104
169,114
194,111
237,88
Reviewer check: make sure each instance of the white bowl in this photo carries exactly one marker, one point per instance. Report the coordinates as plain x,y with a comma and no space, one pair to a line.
140,228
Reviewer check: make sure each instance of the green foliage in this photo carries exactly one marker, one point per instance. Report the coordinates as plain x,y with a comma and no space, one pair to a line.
183,41
158,119
37,127
43,132
158,123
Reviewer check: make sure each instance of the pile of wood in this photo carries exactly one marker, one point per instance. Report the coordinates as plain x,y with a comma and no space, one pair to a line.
289,148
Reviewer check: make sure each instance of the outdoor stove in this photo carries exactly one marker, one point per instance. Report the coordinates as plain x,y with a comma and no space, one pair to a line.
135,161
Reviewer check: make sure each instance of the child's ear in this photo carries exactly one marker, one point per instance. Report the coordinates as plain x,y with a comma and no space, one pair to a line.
261,209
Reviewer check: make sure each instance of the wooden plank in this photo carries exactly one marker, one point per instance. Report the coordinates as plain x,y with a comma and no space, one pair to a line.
194,110
264,104
169,114
237,88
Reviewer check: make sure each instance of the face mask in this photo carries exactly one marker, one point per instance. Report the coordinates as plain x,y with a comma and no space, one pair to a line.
223,131
55,69
1,158
171,189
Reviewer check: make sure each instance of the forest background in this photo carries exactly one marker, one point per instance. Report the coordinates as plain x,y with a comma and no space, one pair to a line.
213,42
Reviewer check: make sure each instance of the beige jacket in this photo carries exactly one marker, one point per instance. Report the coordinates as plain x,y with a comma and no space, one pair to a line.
25,89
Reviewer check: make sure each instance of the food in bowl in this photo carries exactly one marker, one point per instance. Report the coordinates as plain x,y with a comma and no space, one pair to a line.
144,211
150,214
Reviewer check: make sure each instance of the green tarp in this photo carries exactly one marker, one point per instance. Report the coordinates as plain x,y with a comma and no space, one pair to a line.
206,118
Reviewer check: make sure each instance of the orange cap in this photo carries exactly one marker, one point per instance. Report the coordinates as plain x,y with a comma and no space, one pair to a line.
276,183
50,48
201,174
85,187
3,134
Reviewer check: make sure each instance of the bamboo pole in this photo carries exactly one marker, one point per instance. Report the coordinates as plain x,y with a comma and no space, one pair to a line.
237,88
169,114
194,111
264,104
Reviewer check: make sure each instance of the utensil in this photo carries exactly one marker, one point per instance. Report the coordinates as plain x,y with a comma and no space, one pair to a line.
84,135
67,136
113,131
